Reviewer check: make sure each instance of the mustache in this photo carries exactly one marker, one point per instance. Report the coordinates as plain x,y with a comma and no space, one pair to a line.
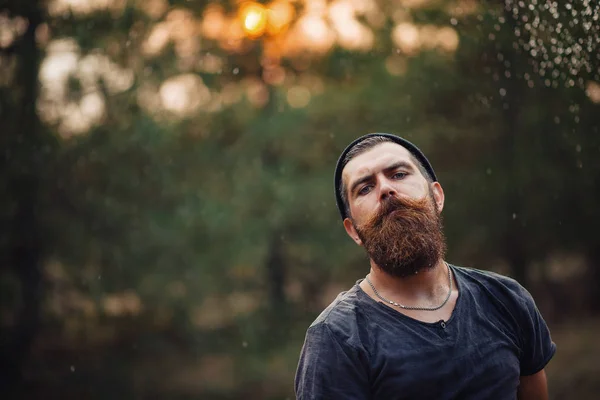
401,204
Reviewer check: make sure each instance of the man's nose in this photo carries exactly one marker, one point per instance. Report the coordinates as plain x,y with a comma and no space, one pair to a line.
386,190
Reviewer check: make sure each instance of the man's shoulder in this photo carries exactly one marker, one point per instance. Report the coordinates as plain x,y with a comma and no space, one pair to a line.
342,314
504,288
344,305
488,277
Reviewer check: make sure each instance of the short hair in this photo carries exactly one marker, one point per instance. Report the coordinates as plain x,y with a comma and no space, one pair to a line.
361,148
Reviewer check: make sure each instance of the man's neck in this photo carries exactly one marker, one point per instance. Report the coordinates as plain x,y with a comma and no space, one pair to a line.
425,286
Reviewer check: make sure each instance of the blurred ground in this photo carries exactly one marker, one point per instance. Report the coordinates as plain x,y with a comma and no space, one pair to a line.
574,373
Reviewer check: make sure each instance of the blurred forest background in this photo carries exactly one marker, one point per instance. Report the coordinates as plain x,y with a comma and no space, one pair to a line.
168,226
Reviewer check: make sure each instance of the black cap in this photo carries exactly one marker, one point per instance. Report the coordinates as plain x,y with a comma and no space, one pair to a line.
414,150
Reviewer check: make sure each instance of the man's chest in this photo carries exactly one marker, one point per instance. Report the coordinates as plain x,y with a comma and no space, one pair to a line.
455,361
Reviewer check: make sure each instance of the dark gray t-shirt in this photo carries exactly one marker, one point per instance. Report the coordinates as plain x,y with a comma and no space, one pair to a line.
359,348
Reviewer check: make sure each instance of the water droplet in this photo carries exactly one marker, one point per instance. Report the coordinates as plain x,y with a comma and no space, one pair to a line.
244,344
72,368
514,216
554,31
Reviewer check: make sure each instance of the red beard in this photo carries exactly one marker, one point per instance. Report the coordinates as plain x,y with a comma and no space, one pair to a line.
404,236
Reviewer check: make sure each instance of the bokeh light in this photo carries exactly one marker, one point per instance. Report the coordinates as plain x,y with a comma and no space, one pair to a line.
254,17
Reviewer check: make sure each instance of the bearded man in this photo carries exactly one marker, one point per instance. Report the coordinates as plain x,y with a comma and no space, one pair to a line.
417,327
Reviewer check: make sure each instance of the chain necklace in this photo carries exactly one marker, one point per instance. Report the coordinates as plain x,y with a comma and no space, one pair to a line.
410,307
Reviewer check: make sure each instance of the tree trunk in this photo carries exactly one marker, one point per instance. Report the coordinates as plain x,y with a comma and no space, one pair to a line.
276,276
594,281
22,162
514,236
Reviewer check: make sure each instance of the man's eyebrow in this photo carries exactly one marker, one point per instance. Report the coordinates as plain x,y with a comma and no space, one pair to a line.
400,164
394,166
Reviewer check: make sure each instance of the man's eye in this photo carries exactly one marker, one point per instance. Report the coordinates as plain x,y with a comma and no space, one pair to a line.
399,175
364,190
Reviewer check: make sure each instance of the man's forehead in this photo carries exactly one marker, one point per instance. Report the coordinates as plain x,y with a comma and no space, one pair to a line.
377,157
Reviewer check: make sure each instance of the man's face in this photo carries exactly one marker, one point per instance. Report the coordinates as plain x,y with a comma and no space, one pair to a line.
395,211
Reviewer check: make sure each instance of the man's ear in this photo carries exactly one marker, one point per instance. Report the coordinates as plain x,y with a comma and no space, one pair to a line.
351,231
438,195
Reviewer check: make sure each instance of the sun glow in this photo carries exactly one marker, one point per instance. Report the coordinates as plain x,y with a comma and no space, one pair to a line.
254,18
